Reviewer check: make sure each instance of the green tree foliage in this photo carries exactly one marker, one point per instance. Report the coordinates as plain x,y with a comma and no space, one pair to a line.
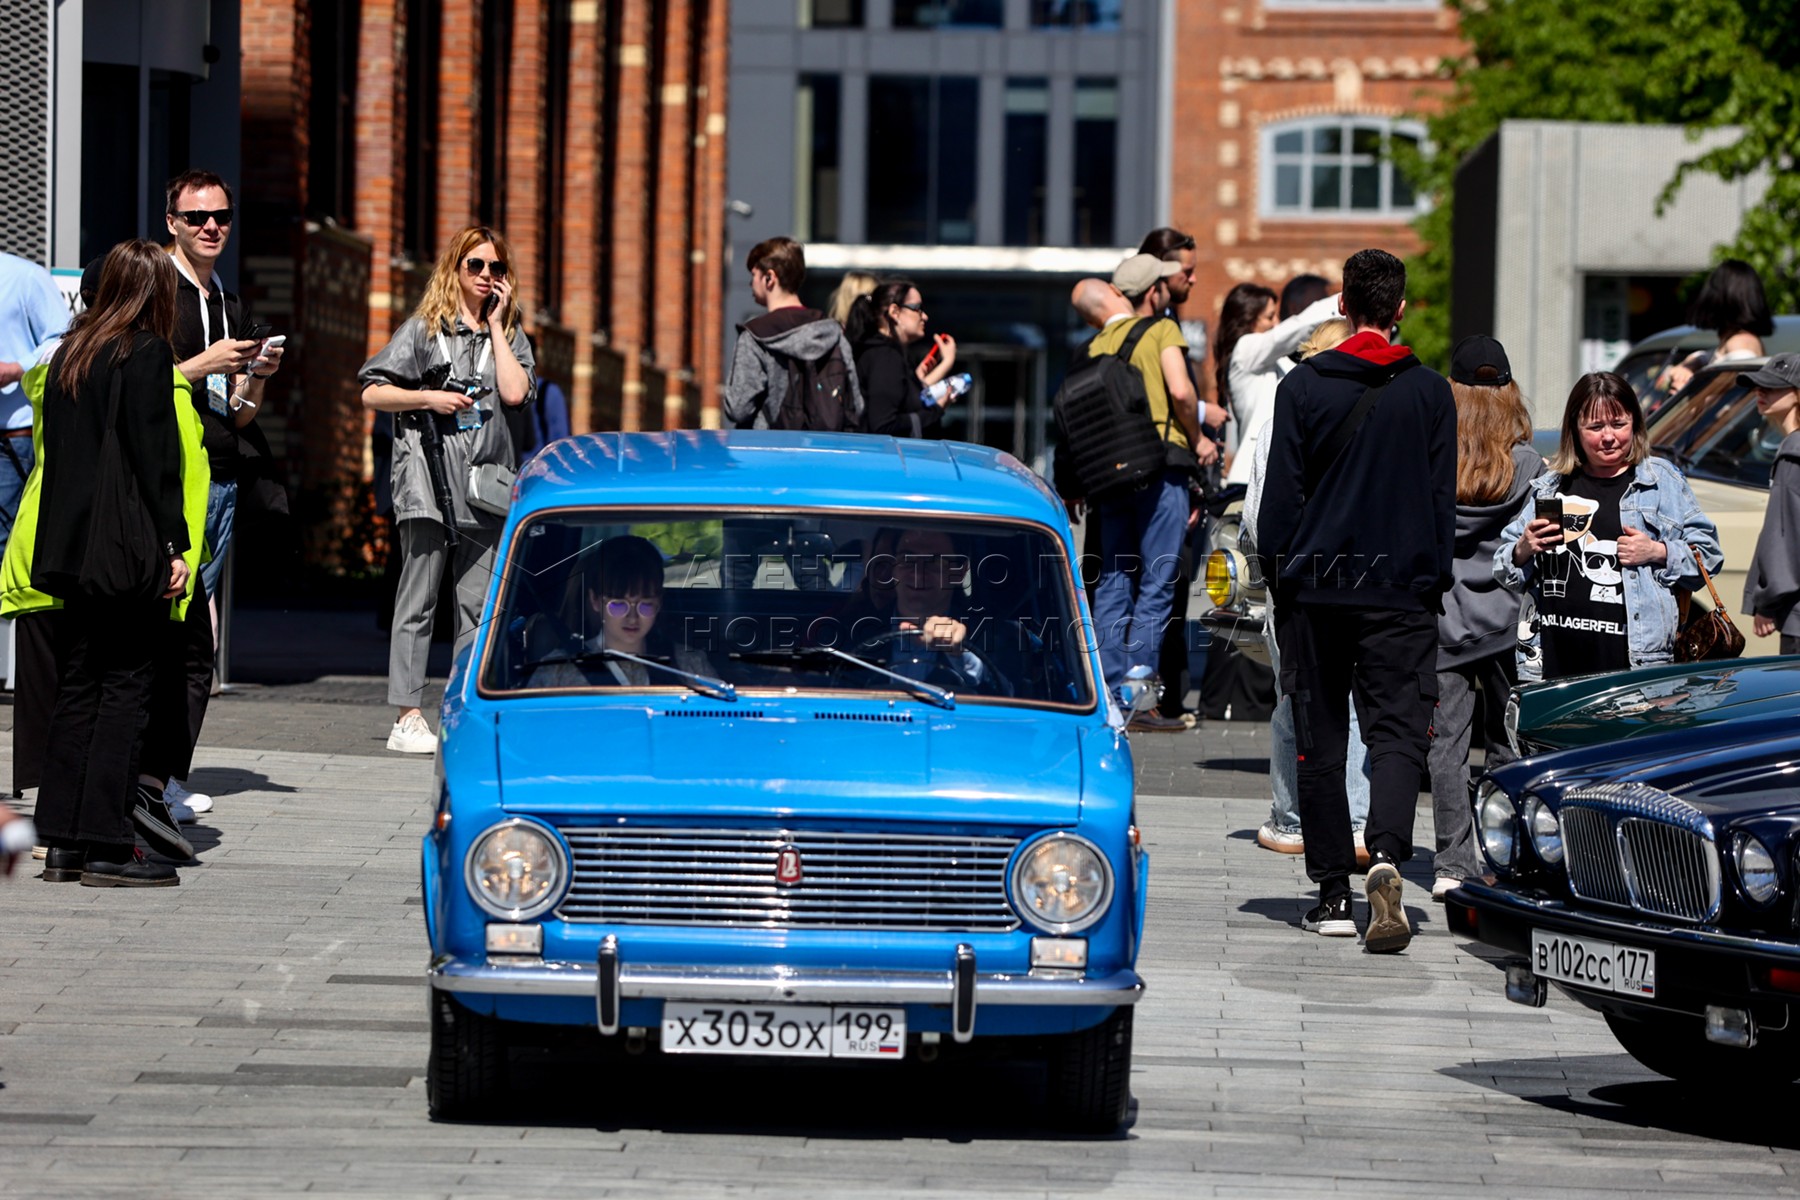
1625,61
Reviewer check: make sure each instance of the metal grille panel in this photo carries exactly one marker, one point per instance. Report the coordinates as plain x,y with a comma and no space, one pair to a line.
1595,872
25,128
726,877
1671,871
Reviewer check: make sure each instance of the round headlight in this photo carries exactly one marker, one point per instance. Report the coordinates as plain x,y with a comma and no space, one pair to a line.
1221,578
1062,883
1546,834
517,870
1755,869
1497,821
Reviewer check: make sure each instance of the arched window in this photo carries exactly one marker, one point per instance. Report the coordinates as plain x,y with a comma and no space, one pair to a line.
1340,167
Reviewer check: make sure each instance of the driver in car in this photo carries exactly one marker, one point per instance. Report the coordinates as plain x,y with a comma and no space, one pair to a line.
928,642
622,591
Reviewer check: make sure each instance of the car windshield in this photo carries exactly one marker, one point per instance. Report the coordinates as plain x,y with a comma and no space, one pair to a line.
1643,368
1718,434
943,610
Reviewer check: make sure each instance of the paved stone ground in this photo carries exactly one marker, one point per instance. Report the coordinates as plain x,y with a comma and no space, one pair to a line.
261,1030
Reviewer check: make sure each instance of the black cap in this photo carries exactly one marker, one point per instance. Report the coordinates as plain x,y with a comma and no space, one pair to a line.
1480,361
1780,372
90,281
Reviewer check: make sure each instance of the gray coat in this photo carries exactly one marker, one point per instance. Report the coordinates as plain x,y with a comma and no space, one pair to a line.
758,386
1481,617
1772,586
403,363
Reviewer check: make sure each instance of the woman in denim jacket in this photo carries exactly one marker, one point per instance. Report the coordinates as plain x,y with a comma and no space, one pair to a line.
1629,535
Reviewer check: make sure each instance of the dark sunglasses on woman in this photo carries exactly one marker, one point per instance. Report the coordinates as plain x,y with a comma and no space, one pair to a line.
476,266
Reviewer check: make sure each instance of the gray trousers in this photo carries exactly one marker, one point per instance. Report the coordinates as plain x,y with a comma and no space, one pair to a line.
1451,807
422,557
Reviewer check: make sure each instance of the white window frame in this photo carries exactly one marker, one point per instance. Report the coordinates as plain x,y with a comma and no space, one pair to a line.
1269,160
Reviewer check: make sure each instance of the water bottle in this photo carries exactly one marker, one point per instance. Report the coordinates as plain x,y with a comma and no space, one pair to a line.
945,390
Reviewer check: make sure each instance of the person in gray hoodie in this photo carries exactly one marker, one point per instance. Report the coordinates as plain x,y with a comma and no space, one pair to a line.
1478,629
792,368
1772,587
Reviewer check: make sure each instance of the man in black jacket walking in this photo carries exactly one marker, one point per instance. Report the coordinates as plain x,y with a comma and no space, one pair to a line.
1357,532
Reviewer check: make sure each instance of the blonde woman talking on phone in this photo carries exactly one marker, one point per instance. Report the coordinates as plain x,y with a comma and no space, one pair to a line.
445,374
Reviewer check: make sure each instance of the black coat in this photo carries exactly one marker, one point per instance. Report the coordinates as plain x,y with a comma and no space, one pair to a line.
74,428
891,391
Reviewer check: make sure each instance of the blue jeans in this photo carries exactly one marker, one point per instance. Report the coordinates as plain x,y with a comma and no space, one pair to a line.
221,512
1140,558
12,483
1284,775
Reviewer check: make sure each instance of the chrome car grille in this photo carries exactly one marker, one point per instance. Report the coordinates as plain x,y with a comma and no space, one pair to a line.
1638,847
847,880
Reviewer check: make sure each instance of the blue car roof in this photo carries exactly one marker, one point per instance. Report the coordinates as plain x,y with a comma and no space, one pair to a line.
778,468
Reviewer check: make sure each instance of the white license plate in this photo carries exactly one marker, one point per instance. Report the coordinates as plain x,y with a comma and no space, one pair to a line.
1585,962
784,1030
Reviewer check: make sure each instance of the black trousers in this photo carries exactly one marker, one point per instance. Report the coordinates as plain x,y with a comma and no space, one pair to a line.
91,753
1387,660
37,638
180,691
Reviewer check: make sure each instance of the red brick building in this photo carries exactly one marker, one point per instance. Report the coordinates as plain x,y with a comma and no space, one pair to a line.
1282,112
590,132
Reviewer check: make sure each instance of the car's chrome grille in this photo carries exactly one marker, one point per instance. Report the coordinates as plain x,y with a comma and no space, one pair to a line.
1638,847
847,880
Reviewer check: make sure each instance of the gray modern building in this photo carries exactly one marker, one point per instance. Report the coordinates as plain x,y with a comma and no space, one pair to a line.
993,151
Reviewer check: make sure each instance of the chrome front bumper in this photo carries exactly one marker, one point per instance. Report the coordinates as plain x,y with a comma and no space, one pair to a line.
610,981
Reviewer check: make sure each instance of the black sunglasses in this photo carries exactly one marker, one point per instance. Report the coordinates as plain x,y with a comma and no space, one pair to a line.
918,308
197,218
477,265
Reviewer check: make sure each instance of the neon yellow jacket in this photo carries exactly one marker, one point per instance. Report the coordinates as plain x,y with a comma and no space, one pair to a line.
17,596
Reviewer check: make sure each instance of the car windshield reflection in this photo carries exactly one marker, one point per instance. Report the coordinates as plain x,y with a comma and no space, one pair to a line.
731,601
1718,434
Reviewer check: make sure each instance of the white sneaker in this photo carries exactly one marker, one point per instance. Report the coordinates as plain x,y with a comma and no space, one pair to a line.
1281,841
175,792
1443,885
411,735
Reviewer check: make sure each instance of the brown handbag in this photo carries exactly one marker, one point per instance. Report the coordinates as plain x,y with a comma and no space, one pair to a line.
1711,634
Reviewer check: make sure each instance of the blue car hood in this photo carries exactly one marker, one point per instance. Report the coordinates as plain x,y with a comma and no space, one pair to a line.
889,765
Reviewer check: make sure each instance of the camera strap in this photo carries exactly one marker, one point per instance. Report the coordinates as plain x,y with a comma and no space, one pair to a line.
487,350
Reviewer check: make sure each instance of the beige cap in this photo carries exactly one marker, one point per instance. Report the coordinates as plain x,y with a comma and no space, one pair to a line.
1139,273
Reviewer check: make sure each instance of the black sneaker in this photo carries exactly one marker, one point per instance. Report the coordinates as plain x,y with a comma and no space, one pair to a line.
63,864
151,814
133,871
1330,919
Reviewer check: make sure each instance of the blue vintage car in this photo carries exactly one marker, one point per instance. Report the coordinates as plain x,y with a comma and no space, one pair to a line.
787,745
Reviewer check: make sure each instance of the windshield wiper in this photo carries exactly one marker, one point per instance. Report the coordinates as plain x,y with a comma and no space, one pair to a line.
941,697
706,685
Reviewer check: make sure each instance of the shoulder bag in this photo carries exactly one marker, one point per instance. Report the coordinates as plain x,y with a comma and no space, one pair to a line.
1710,635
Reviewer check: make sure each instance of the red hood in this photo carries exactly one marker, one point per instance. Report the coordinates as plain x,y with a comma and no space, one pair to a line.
1372,347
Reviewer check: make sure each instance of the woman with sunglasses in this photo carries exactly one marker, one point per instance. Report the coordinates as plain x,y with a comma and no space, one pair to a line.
621,595
468,322
881,326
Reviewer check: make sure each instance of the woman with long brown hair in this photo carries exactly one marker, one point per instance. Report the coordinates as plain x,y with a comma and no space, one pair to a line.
469,324
1478,629
111,535
1247,352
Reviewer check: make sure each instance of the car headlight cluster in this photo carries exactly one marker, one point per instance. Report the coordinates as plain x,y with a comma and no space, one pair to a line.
1221,578
1545,831
1062,883
1755,869
1510,719
517,870
1497,824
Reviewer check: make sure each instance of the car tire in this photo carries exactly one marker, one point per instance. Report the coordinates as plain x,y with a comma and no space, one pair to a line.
1675,1046
465,1076
1090,1076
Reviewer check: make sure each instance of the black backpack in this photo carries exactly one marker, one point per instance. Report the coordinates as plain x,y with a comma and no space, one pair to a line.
1109,444
818,395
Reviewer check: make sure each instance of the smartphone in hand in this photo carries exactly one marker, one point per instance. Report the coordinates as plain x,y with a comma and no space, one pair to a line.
1549,508
933,356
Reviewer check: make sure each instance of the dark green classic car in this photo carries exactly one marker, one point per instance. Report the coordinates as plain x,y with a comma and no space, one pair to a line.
1700,698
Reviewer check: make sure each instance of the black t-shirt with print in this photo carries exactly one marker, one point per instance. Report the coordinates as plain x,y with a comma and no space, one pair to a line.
1581,592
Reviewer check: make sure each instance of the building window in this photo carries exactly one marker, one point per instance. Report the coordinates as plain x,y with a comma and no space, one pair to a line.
1338,166
921,183
816,157
937,14
1096,160
1027,159
831,14
418,236
1076,14
496,55
555,159
331,150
